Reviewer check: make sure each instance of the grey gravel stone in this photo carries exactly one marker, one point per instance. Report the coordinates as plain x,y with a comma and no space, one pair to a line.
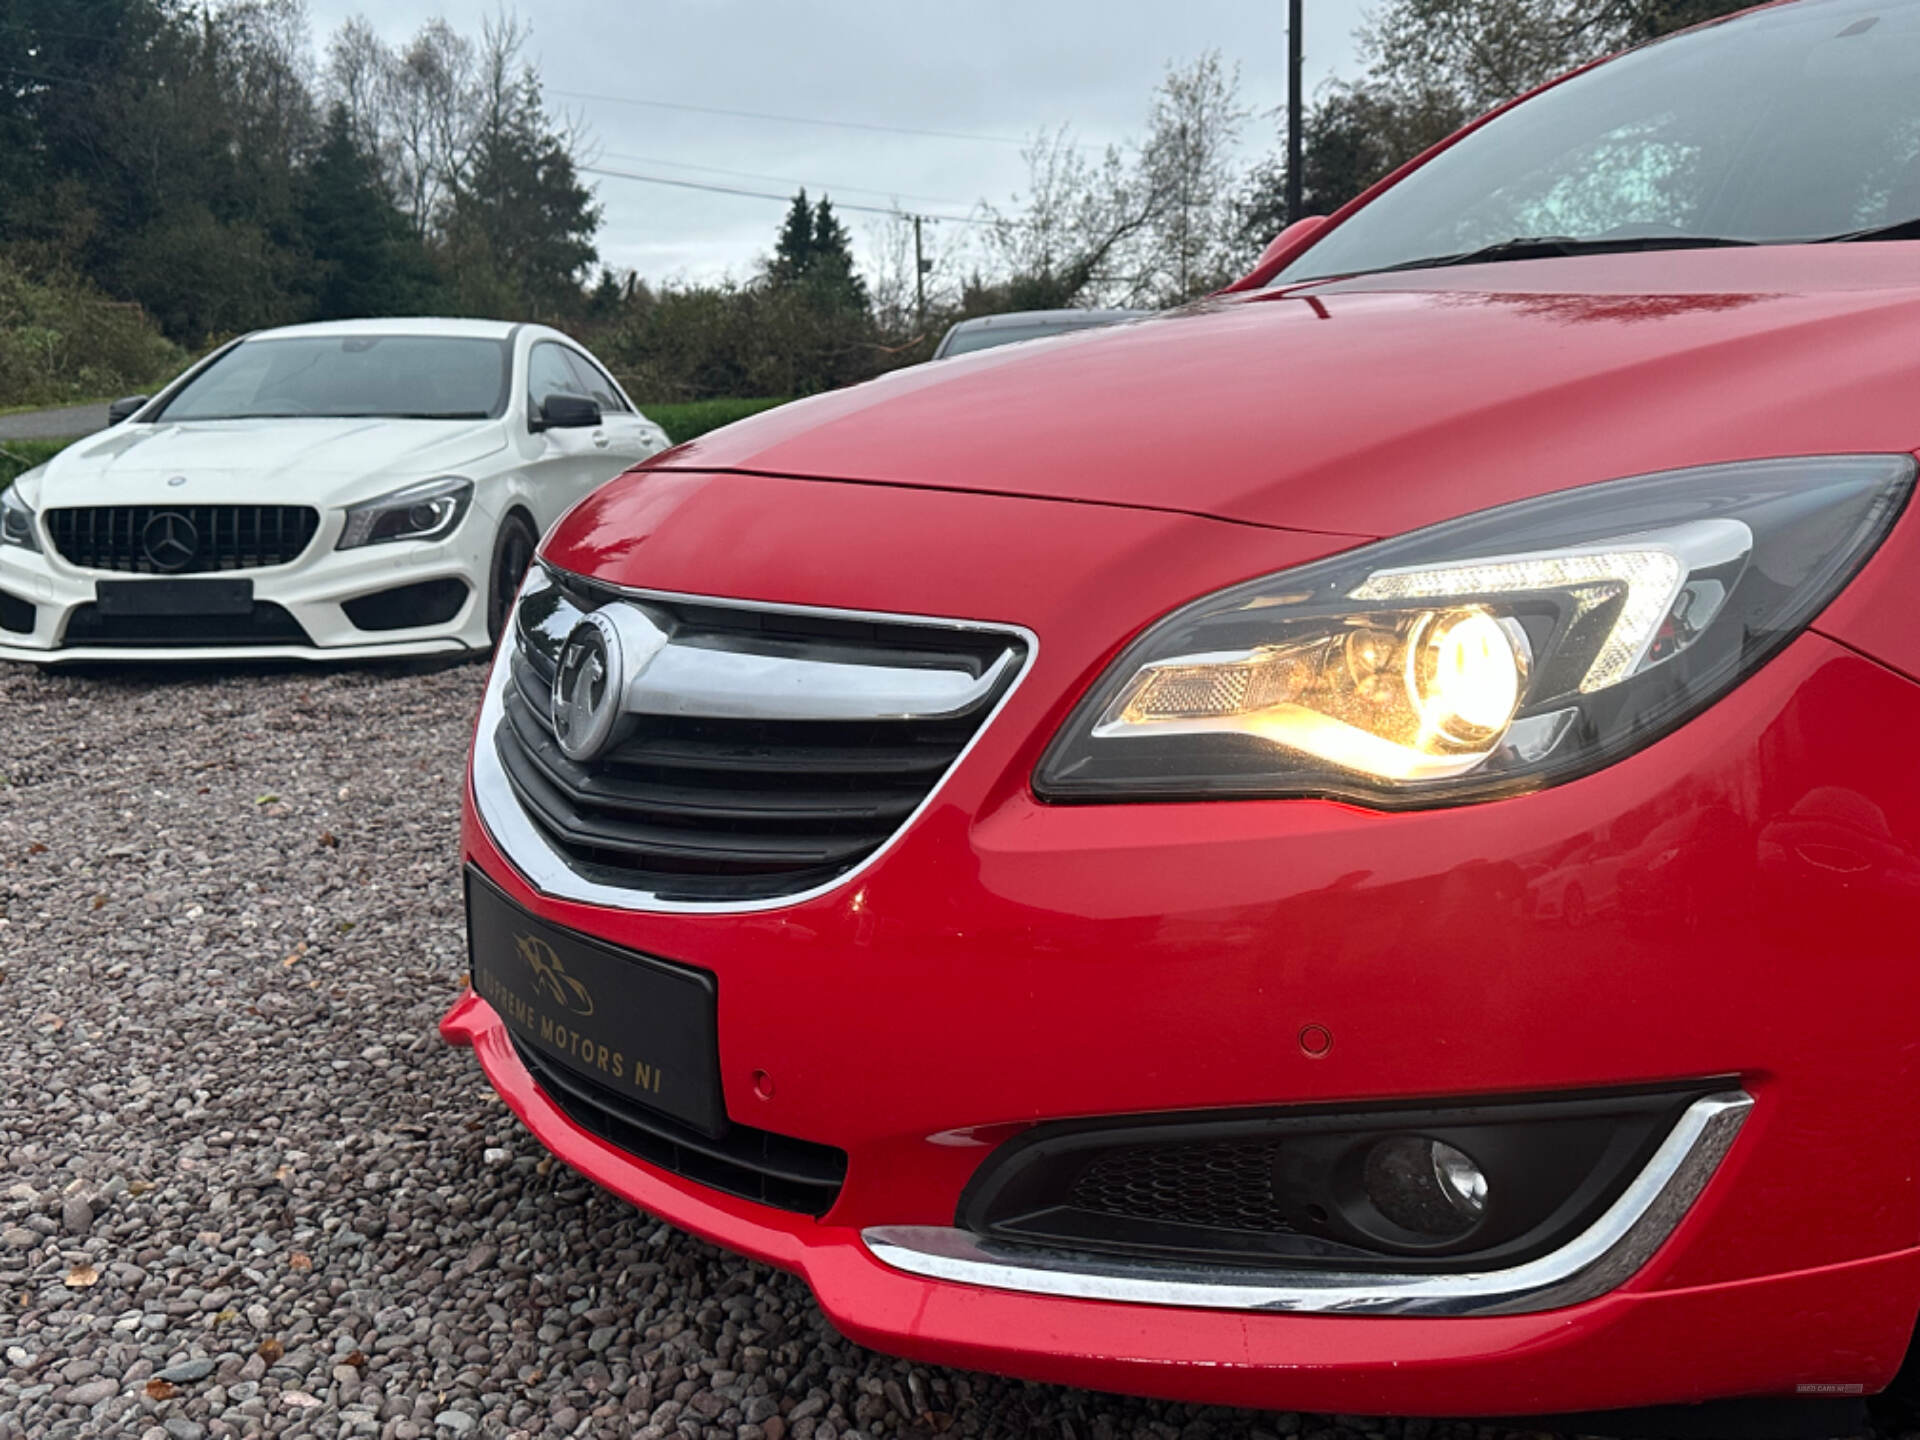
230,917
76,1215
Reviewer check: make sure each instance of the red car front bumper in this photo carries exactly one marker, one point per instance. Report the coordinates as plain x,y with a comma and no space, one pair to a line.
1741,911
1638,1346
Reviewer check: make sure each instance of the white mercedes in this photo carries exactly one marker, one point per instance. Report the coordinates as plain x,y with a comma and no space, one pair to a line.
333,491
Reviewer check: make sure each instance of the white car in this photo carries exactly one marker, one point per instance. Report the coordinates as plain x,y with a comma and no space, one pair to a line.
321,492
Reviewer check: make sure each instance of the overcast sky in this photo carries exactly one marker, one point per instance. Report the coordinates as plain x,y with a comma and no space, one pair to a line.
989,72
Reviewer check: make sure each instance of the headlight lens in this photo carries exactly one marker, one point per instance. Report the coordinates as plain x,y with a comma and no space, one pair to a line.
16,521
1504,651
431,510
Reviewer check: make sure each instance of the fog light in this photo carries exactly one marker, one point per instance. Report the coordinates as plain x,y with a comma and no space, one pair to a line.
1426,1186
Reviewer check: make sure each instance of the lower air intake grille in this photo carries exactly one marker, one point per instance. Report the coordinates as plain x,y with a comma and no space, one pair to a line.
1224,1186
405,607
714,806
182,539
266,624
16,614
757,1165
1301,1187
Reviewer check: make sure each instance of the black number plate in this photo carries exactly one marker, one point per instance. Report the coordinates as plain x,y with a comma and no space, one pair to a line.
640,1027
174,597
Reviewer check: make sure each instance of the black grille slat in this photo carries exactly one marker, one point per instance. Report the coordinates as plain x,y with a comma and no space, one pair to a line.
229,537
711,808
728,849
758,1165
1226,1186
685,798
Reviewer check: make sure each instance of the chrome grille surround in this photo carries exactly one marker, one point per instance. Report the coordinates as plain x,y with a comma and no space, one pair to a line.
550,869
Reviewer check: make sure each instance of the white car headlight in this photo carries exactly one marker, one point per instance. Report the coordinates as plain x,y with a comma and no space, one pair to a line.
431,510
16,521
1511,649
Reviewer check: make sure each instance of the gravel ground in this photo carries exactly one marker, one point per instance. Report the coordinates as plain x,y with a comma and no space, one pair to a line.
247,1191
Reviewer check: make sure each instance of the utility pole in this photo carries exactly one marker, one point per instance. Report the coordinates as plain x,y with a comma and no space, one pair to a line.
1296,55
919,274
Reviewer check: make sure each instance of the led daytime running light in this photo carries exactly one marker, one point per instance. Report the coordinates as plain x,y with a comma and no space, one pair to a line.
1651,579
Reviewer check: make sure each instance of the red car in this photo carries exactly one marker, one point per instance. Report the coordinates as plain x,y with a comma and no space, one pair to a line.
1069,849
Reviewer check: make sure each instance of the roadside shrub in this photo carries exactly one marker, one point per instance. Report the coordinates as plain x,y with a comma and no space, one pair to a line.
19,456
699,342
61,340
692,418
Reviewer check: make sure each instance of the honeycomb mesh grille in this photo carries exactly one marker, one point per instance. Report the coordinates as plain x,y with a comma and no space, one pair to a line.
1219,1186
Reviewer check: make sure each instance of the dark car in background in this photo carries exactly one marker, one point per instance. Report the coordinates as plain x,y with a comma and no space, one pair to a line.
987,332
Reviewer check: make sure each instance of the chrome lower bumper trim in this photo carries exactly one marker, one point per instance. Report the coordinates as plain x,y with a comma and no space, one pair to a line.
222,654
1594,1262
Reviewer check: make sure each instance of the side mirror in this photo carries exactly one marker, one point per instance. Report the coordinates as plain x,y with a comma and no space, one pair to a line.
1288,243
568,412
1294,237
125,408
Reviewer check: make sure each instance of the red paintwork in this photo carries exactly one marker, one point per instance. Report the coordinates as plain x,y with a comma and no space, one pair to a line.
1754,877
1282,248
1447,390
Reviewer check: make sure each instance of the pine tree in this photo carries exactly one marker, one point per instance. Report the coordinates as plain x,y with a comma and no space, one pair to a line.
522,222
607,295
814,255
814,314
793,251
366,258
832,274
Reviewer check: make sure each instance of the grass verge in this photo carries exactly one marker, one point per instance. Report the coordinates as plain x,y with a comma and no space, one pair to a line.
17,456
689,418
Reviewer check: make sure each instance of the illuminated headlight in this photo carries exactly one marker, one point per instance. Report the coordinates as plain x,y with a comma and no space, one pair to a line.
1499,652
428,511
1404,696
16,521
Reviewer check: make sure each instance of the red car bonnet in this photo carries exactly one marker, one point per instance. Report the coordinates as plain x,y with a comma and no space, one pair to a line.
1377,405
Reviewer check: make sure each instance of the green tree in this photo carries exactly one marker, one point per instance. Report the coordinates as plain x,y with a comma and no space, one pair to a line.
367,258
182,155
813,253
793,250
832,274
522,222
608,295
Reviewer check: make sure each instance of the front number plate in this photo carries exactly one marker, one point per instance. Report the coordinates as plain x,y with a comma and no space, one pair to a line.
637,1026
175,598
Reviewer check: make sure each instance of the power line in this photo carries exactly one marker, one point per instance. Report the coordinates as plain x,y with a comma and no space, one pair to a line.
789,119
770,195
779,179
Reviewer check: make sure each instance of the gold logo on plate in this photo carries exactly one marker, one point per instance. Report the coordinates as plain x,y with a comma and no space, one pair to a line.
551,977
